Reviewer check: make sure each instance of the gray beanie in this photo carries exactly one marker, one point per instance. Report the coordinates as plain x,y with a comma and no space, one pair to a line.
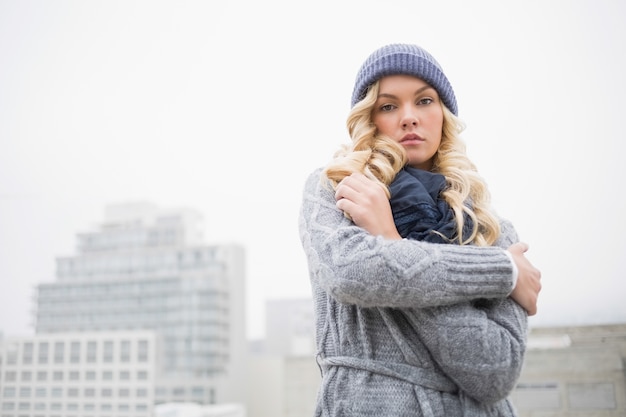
405,59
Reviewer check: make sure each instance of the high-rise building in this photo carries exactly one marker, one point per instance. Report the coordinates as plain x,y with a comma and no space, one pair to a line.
145,268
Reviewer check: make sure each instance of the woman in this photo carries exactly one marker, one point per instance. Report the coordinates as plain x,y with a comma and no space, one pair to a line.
408,327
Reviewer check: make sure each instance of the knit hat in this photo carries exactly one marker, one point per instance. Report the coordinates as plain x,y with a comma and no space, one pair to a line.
405,59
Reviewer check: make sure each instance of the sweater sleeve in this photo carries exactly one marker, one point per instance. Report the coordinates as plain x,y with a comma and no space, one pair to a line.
357,268
481,348
480,345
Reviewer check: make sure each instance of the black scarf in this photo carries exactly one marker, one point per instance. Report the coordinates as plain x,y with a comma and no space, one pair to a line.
419,210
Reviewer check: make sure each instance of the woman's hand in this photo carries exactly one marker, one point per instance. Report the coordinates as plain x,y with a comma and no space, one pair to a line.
366,203
526,291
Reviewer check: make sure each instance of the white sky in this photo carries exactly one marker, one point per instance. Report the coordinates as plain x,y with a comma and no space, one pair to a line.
225,107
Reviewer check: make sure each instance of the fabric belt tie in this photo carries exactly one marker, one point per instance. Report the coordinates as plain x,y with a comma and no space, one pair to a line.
409,373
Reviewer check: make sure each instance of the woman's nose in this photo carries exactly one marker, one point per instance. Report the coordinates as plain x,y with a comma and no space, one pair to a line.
409,120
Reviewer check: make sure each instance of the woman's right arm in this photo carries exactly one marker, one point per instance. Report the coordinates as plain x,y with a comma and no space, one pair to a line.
355,267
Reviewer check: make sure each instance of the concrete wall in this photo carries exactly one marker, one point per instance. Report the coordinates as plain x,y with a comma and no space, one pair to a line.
584,377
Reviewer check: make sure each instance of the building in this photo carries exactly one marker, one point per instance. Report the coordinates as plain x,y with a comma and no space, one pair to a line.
284,377
574,371
145,268
77,374
289,327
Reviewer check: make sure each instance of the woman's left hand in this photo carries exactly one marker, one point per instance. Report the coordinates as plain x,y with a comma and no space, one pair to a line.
366,203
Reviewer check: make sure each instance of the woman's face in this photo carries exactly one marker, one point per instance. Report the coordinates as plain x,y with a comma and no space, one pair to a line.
408,111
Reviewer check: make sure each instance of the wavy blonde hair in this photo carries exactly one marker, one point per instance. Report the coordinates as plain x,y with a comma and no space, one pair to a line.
380,158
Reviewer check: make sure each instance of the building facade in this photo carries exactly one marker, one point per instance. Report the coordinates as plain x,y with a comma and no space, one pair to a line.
145,268
574,371
77,374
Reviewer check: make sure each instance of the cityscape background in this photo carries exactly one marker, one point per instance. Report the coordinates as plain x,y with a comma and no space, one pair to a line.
225,107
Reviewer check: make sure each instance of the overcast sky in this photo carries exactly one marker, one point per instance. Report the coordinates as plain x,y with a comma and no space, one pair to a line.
225,107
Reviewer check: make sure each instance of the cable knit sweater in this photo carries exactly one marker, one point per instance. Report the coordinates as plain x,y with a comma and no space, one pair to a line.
409,328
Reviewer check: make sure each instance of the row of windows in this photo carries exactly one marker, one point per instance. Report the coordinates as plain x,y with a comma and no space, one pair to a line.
206,322
26,376
56,352
152,286
137,237
39,406
136,263
27,392
178,300
58,392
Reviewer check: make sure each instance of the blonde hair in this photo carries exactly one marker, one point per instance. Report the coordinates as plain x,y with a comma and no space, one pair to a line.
380,158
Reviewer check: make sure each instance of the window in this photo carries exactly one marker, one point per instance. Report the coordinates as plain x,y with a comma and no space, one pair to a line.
107,354
57,375
106,392
106,407
8,406
59,352
27,353
197,391
25,392
124,392
43,352
55,406
88,407
40,392
72,406
9,376
123,407
26,376
107,375
75,352
74,375
23,406
11,350
42,375
90,392
8,392
92,351
90,375
142,375
39,406
56,392
591,396
142,351
141,407
124,375
125,351
72,392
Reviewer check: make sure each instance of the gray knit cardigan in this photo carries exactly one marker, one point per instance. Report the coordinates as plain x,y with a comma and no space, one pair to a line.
409,328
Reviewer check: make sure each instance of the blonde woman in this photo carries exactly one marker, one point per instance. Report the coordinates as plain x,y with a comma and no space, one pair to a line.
407,326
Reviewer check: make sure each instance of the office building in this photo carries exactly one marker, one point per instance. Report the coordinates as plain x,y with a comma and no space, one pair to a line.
145,268
76,374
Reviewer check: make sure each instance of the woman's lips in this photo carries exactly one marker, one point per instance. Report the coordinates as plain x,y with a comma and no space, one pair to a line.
411,139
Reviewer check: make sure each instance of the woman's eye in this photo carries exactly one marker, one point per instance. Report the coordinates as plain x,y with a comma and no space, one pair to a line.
425,100
386,107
